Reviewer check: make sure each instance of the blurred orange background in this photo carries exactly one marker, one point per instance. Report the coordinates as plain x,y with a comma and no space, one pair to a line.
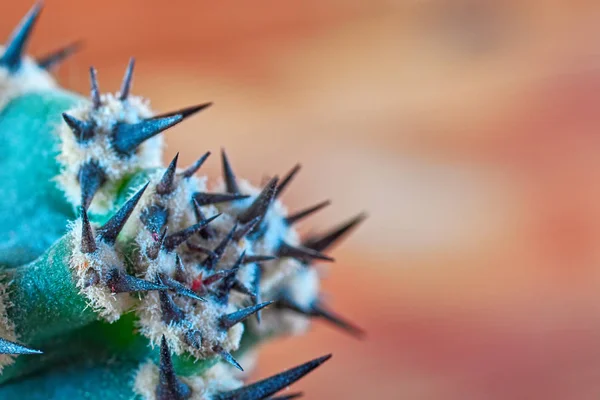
468,130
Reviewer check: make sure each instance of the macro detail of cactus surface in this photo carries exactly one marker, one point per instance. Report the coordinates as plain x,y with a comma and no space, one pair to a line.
121,278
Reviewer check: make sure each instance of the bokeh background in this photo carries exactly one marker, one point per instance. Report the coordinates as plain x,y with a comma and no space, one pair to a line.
468,130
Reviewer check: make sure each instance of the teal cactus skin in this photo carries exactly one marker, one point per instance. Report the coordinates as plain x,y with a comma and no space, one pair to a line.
121,278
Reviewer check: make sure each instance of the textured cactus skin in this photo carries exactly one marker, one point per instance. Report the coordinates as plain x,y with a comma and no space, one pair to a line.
157,292
34,212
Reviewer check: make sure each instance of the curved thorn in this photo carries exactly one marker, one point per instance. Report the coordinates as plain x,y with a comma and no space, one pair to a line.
229,320
269,386
7,347
167,182
228,175
261,203
83,130
127,80
53,59
174,240
170,387
292,219
94,91
192,169
91,177
326,240
111,229
88,243
14,49
120,282
303,254
287,179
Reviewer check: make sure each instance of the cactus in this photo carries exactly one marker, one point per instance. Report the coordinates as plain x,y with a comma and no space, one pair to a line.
121,278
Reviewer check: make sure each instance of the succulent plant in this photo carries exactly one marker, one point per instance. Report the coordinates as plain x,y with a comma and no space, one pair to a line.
121,278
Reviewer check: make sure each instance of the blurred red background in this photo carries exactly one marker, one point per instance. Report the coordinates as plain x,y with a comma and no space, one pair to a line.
468,130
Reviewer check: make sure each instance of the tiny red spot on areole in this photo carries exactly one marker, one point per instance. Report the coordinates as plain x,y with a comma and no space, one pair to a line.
197,284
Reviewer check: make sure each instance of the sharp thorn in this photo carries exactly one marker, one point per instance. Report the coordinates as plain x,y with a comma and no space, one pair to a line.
222,274
82,130
95,90
228,175
228,358
288,396
180,274
153,250
204,199
261,203
174,240
240,287
91,177
302,254
258,259
179,288
287,179
120,282
192,169
111,229
229,320
193,338
221,292
171,313
88,243
202,250
154,218
170,387
167,182
127,80
256,289
208,232
292,219
15,47
185,112
246,228
7,347
53,59
318,310
269,386
127,137
328,239
210,262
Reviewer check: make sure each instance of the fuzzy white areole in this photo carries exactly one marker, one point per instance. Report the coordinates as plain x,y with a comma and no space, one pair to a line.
73,154
28,78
